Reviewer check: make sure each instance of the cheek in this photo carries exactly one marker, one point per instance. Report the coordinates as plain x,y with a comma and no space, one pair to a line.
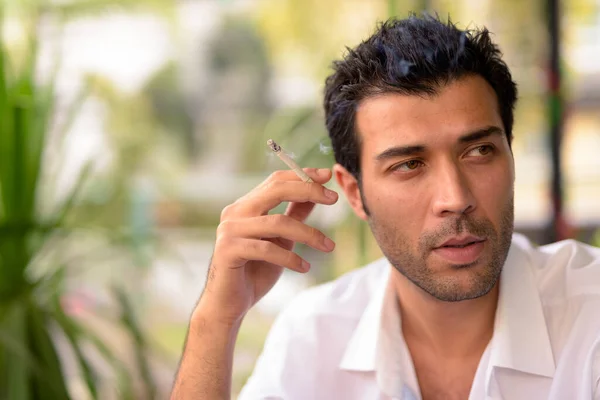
494,188
403,206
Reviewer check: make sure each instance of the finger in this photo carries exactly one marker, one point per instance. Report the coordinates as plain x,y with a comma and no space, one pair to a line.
277,226
299,211
319,175
243,250
266,197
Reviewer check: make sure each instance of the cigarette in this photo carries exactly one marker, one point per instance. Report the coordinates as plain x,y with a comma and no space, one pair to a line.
288,160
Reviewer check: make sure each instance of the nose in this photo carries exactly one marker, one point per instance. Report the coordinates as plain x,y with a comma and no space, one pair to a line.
452,192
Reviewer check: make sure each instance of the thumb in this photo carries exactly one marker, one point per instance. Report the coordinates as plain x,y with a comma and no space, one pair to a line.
319,175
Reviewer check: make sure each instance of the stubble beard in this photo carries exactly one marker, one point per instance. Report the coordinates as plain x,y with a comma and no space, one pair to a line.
414,266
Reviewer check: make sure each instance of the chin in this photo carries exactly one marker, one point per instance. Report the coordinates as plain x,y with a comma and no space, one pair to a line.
464,282
462,267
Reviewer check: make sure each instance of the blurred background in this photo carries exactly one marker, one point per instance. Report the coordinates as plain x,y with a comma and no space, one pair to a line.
126,126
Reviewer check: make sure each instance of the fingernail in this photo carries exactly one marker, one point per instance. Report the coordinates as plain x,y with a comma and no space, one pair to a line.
305,265
323,171
330,193
329,244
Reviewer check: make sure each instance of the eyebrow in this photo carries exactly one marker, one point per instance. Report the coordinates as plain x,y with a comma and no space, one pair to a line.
481,134
404,151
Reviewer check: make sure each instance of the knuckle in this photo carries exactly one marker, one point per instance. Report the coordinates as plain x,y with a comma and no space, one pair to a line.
276,176
230,251
273,185
223,242
224,228
225,248
274,188
227,211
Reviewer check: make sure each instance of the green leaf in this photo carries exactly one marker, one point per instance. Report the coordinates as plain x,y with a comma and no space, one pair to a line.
5,129
50,284
73,334
21,204
140,342
63,128
39,121
67,205
27,373
17,360
72,112
10,158
53,385
86,335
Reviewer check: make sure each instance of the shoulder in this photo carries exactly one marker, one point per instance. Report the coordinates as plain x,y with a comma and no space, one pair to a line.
564,271
308,338
567,277
320,321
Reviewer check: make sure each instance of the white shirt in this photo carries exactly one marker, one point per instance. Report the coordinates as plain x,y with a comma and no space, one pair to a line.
343,339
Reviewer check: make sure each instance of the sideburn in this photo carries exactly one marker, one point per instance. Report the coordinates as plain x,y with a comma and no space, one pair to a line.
362,196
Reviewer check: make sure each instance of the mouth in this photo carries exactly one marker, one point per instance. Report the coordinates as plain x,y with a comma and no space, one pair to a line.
461,250
462,241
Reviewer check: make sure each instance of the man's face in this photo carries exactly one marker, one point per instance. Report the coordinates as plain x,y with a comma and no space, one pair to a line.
438,182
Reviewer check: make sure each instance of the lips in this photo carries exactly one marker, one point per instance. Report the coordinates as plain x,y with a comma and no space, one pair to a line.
461,250
461,241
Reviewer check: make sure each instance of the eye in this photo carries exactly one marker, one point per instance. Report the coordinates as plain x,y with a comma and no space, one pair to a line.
481,151
407,166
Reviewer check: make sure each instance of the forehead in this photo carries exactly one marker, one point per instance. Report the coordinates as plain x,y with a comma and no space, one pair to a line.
396,119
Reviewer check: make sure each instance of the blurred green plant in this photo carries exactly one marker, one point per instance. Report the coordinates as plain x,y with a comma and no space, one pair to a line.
35,327
596,239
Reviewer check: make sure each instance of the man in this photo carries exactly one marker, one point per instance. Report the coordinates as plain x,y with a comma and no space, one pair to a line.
420,117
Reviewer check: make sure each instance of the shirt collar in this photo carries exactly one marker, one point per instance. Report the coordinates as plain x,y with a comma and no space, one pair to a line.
361,351
377,344
520,341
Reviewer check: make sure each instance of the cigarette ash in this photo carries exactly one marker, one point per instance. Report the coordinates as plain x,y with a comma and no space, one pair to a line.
274,146
277,150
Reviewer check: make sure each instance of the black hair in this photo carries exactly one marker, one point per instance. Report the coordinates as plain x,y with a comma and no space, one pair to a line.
414,56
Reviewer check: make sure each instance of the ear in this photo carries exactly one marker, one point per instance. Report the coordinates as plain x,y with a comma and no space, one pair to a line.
349,185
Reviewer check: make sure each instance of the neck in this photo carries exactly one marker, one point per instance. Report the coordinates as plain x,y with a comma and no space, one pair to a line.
449,329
